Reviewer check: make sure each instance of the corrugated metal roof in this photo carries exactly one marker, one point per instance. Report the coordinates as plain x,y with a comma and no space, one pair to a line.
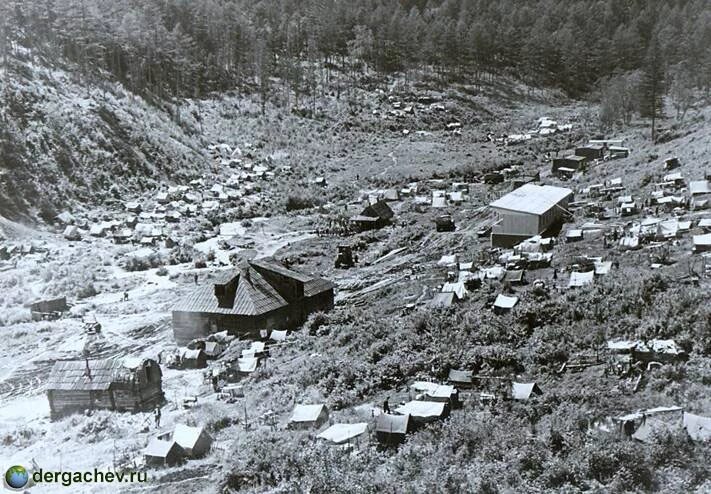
532,198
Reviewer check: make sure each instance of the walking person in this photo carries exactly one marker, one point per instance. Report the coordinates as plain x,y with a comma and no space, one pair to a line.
156,416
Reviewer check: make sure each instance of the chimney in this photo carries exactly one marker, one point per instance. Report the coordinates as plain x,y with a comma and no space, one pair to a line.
87,372
225,292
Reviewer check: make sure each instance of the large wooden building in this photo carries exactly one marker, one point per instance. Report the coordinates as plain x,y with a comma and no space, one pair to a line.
373,217
528,211
113,384
262,294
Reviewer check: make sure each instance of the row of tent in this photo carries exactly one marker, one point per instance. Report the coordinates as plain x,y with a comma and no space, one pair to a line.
433,402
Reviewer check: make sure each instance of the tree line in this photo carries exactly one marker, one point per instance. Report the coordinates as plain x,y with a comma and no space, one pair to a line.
184,48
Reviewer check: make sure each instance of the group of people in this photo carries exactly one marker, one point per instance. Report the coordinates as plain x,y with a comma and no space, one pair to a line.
335,228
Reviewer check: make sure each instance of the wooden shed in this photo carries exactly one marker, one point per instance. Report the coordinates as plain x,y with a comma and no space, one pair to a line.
591,152
44,309
571,162
372,217
112,384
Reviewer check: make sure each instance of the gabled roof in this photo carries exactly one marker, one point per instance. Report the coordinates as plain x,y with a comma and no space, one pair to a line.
186,436
379,210
253,294
73,375
532,199
523,391
306,413
161,449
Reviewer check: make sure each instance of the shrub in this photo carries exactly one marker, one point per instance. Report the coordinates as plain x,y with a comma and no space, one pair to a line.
142,263
87,291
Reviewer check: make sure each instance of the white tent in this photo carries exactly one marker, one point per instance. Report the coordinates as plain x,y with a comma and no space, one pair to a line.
341,433
523,391
581,279
457,288
702,243
309,414
450,260
247,364
603,267
504,302
422,409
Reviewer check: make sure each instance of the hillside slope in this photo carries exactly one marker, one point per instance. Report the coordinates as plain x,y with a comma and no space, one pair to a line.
65,140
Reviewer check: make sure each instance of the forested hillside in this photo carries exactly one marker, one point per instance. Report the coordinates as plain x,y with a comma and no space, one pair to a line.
187,48
132,62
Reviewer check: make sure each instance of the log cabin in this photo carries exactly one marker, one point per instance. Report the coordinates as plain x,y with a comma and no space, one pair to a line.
112,384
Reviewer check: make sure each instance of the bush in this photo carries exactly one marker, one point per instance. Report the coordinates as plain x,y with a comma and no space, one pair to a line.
295,202
142,263
87,291
162,271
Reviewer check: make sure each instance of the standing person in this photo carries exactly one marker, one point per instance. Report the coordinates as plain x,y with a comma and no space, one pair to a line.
196,278
214,384
125,295
156,416
386,405
555,273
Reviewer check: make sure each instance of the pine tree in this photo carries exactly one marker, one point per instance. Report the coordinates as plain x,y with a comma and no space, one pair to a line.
652,84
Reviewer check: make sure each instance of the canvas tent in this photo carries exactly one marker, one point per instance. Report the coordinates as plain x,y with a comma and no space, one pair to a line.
581,279
195,441
163,453
342,433
392,429
457,288
504,303
462,378
524,391
702,243
442,300
71,232
308,416
247,365
424,411
698,427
